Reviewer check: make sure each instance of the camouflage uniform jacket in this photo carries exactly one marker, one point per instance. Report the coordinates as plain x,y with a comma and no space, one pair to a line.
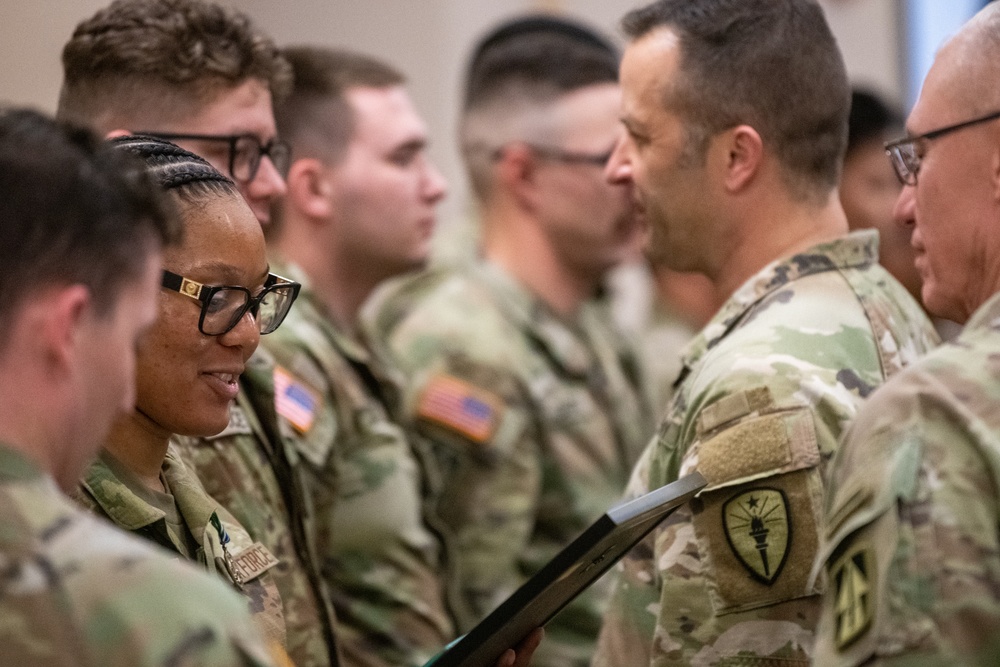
382,559
252,472
77,592
535,423
912,549
223,546
766,390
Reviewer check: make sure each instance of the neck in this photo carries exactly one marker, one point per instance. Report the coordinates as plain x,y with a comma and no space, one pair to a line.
30,424
520,248
340,289
781,230
140,446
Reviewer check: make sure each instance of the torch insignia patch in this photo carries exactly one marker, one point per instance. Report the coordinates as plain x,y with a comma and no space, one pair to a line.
759,529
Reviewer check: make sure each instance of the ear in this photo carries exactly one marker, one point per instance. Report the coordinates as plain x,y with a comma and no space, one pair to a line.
517,174
744,153
66,313
995,167
309,189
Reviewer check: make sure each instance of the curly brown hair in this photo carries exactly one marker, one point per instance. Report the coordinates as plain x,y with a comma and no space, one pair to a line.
143,61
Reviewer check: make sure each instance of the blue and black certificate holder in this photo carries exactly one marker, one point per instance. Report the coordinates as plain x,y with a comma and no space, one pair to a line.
564,577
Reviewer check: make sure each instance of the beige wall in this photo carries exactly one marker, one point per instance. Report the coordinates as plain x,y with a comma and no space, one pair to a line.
428,39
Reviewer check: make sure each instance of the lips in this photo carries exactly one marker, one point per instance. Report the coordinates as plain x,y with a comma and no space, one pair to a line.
224,383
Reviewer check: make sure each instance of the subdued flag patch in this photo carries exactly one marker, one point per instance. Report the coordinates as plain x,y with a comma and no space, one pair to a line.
461,407
854,599
294,401
758,528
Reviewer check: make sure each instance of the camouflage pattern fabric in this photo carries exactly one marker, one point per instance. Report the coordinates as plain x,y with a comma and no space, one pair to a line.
78,592
766,390
662,340
535,422
381,557
912,550
223,546
252,472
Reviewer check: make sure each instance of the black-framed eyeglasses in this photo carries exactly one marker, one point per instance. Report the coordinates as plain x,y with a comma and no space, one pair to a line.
560,155
904,155
245,152
223,306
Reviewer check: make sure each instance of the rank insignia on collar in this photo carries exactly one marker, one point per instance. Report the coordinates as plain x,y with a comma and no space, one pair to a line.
758,527
854,601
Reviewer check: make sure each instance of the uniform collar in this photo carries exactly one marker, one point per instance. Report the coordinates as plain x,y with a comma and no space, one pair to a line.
855,250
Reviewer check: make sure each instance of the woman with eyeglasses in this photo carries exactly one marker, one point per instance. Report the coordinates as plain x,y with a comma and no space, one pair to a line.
217,299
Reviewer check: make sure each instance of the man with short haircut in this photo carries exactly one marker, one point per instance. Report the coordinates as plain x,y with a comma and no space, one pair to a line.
532,401
912,556
733,149
80,262
360,208
205,77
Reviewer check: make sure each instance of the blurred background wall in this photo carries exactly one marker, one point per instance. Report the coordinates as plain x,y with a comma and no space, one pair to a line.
429,40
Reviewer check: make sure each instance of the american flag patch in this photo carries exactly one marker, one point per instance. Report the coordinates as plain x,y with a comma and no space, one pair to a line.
460,406
294,401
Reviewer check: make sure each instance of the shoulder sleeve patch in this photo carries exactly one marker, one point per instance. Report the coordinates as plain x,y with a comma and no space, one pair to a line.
462,407
294,400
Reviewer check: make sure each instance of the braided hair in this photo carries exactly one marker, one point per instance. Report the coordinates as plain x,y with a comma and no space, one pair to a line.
175,169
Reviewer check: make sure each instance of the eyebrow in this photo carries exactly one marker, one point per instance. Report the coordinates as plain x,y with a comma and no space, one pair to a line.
230,274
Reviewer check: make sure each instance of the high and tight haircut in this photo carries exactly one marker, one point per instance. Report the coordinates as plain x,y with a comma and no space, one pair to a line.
771,64
153,61
316,118
189,177
74,211
516,73
871,119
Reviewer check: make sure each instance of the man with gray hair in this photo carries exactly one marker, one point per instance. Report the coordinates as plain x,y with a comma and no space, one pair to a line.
733,150
912,554
534,404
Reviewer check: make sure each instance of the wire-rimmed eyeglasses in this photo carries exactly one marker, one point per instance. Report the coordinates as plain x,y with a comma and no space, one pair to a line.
904,153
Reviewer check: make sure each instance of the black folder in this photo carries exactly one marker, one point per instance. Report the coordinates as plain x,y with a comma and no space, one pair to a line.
564,577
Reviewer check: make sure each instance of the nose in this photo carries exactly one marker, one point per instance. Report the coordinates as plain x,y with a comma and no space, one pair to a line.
903,212
267,185
435,186
618,170
245,335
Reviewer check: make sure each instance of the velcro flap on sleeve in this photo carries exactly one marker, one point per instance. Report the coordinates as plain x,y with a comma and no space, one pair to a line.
759,445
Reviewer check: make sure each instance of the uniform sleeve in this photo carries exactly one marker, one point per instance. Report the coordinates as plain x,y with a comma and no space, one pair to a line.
485,447
912,556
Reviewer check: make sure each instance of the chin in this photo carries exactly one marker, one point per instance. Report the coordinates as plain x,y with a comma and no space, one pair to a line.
204,428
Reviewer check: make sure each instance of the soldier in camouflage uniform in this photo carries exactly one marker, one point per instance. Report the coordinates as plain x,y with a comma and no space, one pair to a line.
911,547
532,400
360,208
738,180
80,253
187,379
186,67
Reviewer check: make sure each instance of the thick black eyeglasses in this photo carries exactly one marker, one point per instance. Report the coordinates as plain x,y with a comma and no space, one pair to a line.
560,155
903,152
245,152
223,306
